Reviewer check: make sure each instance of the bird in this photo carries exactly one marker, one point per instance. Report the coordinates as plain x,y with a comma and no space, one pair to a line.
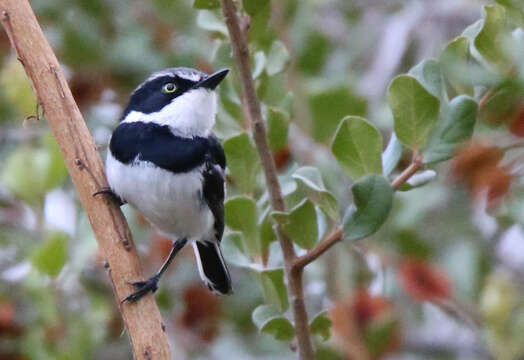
165,161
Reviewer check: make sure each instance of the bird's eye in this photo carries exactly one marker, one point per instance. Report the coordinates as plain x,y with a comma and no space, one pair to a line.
169,88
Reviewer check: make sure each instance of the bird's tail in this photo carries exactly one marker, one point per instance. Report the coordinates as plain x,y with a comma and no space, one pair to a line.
212,267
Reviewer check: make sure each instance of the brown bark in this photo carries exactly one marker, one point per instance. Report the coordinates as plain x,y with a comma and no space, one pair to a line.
142,319
294,278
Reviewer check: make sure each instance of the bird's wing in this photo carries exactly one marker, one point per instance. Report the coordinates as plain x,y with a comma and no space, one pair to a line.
213,187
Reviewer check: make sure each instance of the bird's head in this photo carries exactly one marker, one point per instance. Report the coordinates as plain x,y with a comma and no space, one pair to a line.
182,98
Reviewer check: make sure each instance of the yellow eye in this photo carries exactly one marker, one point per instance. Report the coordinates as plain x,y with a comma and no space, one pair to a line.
169,88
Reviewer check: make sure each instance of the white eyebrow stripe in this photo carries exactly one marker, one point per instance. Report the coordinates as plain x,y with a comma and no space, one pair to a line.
189,76
153,76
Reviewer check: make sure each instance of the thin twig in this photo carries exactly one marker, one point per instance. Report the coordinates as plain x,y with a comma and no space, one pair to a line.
334,237
294,276
318,250
142,319
415,166
484,99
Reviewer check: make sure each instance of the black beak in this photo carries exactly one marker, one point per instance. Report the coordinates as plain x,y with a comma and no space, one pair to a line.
211,81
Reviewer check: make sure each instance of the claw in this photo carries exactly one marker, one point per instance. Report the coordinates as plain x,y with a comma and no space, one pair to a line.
142,288
109,193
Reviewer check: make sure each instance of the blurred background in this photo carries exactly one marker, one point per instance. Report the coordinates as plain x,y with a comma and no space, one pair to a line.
442,279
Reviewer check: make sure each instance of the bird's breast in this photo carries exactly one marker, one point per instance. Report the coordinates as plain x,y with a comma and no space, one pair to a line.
172,202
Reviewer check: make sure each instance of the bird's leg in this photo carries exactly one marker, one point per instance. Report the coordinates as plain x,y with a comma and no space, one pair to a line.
107,191
143,287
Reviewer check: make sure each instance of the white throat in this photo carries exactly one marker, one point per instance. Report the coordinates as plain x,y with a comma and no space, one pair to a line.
190,114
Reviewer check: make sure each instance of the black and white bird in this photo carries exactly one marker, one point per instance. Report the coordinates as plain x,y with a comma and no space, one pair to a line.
164,160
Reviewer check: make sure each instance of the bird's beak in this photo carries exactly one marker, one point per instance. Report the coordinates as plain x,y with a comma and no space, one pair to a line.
211,81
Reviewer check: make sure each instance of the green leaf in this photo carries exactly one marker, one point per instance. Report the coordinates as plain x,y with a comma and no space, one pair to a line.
272,90
56,170
313,54
372,197
454,61
455,126
391,156
30,172
409,243
206,4
21,178
320,325
358,147
277,59
277,132
514,11
243,161
17,88
80,47
233,112
429,74
260,14
502,103
267,234
300,224
241,215
311,182
233,249
275,290
415,110
207,20
489,40
269,320
51,256
253,7
327,353
378,335
329,105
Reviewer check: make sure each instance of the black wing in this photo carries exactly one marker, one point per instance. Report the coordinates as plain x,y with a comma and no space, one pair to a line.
213,187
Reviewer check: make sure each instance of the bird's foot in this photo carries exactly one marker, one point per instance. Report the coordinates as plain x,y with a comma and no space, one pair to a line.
143,288
109,193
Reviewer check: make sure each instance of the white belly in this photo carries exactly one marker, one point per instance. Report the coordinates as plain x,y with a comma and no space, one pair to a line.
171,202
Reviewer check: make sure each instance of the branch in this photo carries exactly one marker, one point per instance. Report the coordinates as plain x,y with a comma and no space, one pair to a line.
400,180
318,250
301,262
404,176
142,319
241,54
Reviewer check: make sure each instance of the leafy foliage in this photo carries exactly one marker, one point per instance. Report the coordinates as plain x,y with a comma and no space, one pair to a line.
373,198
243,161
339,144
269,320
414,108
320,325
455,127
300,224
278,124
357,147
329,105
51,256
311,181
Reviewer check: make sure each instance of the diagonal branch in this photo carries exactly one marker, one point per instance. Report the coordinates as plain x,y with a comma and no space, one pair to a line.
142,320
241,54
337,234
400,180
